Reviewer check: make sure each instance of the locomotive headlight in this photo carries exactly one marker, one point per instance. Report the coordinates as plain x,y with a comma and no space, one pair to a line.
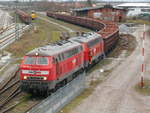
25,77
44,78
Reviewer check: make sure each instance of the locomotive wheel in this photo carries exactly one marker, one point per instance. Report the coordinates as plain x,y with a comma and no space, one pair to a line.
48,92
69,79
54,90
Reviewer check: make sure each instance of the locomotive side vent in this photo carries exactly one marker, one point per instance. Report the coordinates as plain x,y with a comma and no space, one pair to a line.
60,43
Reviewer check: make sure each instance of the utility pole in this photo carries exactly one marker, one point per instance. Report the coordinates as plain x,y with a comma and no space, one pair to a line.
89,3
30,4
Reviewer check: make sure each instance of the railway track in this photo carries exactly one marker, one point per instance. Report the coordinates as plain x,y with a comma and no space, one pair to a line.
9,90
8,31
9,35
11,95
7,28
5,21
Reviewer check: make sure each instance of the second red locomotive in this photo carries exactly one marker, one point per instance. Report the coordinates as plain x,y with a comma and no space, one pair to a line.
93,47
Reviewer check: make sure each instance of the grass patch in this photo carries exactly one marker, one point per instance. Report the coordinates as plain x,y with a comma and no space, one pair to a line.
145,90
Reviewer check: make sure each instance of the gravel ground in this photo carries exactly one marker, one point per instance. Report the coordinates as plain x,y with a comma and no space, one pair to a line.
6,73
116,94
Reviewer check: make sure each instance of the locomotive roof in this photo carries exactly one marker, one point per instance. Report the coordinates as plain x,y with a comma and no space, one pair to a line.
86,37
53,48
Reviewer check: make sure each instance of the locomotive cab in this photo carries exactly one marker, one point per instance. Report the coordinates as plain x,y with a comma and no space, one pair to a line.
34,71
35,66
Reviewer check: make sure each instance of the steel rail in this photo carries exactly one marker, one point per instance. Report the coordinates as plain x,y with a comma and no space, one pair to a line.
11,96
8,80
10,86
11,37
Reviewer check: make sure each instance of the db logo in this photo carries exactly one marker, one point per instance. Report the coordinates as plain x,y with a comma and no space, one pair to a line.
94,50
74,61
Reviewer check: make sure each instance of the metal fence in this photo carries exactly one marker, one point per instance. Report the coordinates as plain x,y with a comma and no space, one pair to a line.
60,98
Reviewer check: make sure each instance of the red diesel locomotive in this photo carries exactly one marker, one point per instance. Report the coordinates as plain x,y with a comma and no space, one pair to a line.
46,68
93,47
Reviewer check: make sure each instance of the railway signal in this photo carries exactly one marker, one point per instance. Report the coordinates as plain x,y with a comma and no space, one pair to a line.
142,65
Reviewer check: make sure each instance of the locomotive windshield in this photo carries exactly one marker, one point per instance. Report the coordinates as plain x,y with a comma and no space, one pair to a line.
36,60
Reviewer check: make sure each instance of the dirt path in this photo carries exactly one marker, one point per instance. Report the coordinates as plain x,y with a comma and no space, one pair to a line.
116,94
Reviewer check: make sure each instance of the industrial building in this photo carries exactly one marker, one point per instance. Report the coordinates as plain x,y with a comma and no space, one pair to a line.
106,12
134,5
138,10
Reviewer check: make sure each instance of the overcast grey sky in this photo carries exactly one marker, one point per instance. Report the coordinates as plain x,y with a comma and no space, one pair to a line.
86,0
